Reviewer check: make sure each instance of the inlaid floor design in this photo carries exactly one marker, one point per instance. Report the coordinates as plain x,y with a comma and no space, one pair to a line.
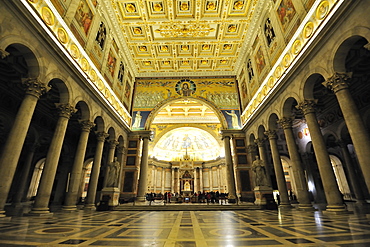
187,228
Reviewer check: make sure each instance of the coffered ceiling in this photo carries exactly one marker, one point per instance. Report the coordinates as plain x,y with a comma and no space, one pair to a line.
191,37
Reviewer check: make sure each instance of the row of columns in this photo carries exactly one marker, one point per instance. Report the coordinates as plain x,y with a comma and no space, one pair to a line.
338,83
14,144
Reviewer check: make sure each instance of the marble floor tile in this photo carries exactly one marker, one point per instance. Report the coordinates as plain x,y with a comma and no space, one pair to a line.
189,228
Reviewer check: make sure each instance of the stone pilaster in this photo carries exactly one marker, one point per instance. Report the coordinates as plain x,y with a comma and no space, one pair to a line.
332,193
121,152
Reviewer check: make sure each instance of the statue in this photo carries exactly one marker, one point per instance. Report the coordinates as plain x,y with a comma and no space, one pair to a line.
137,122
259,169
234,119
113,173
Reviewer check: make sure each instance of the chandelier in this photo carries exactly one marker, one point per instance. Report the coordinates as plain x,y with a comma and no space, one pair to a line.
184,30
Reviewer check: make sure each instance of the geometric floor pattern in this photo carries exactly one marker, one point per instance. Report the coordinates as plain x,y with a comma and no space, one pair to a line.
188,229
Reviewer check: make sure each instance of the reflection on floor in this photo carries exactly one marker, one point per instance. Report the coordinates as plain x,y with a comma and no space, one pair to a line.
189,228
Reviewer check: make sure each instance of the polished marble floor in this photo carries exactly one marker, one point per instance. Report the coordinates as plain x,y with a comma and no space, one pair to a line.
189,228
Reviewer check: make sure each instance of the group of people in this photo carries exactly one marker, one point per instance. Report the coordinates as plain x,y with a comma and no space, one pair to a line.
200,197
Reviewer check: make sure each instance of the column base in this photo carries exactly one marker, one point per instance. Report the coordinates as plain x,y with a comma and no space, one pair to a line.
90,207
285,206
69,208
2,214
232,199
39,212
336,210
140,199
306,207
15,209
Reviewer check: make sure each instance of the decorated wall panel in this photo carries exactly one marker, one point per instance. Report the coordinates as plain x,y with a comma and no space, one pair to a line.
87,35
220,92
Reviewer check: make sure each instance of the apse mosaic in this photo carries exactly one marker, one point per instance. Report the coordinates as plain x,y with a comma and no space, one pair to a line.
197,143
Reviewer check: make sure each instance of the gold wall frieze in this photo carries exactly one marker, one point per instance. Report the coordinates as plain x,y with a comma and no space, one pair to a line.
60,33
308,30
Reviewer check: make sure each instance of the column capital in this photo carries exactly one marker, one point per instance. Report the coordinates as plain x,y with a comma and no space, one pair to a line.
271,134
338,81
251,148
4,53
65,110
86,125
101,136
307,106
121,149
34,87
260,142
286,123
113,143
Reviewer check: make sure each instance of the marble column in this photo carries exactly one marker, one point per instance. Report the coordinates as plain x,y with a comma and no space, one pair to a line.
201,188
210,179
24,177
339,83
195,180
163,180
110,157
297,167
71,198
173,180
230,170
143,181
353,179
17,135
263,156
333,196
94,176
41,205
178,180
120,158
279,171
219,177
155,179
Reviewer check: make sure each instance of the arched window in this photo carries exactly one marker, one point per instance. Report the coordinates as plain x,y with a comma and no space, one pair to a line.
86,178
340,177
35,181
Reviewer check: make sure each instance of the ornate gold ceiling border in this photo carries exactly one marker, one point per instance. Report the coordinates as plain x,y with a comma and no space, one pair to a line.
309,29
231,18
49,18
